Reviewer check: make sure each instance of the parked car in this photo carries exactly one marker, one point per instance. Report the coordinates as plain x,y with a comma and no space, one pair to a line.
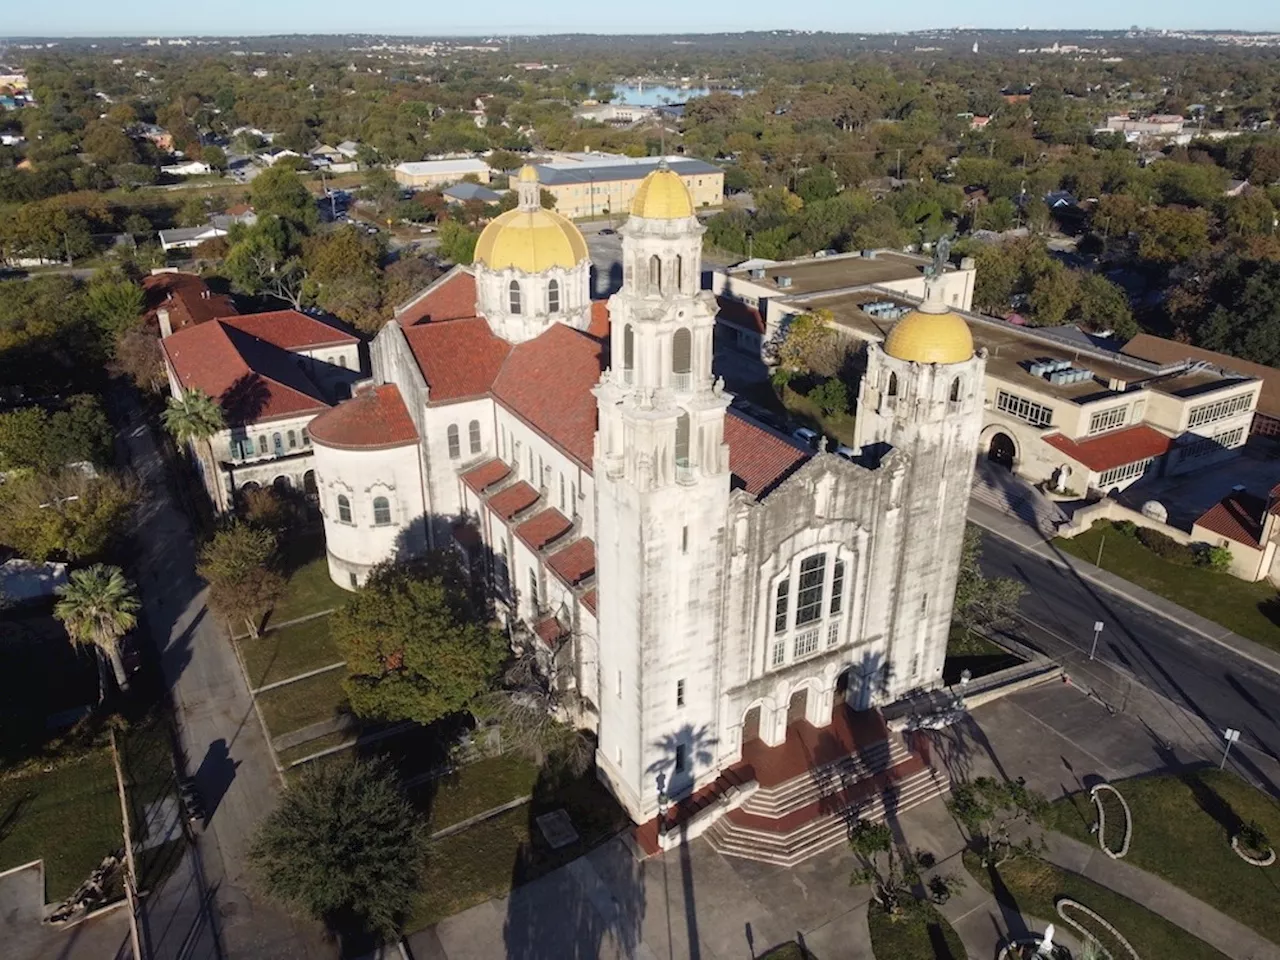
192,802
806,436
846,452
608,232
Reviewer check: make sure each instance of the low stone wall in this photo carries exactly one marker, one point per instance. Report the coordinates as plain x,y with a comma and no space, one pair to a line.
1108,509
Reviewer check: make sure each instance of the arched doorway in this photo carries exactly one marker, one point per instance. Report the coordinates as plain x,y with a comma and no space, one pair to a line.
312,493
842,684
1001,451
281,483
751,725
798,705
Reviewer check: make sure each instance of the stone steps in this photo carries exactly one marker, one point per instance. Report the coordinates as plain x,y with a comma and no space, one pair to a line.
814,784
1012,496
826,831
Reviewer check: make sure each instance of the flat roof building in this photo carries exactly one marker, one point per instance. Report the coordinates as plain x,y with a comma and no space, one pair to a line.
587,185
424,174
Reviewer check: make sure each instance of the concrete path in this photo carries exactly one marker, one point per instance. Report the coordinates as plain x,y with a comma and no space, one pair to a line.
1162,898
220,735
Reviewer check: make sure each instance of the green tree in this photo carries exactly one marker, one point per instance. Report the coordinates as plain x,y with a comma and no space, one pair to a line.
279,192
114,303
1170,235
832,396
195,418
261,260
32,438
809,344
998,816
457,243
98,606
999,271
882,865
1053,291
215,157
1103,305
344,845
416,646
239,566
982,602
343,276
65,514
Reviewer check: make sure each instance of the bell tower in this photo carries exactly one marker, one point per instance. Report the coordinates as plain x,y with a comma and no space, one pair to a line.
662,486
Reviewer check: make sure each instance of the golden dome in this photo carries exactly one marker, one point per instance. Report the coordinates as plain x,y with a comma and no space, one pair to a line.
662,195
530,240
930,336
527,174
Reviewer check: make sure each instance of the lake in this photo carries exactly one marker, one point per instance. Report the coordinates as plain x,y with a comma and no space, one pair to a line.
658,94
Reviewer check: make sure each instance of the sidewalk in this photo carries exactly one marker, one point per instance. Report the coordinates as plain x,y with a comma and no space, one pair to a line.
1018,532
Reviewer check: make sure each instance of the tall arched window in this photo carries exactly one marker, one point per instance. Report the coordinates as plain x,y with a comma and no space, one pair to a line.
293,440
455,447
955,389
342,361
780,605
513,296
893,384
679,273
277,443
682,359
655,274
813,571
262,443
553,296
628,352
474,435
344,508
683,466
381,511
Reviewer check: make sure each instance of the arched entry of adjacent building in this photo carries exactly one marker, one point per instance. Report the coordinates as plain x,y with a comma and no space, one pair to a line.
312,492
751,725
1001,450
798,706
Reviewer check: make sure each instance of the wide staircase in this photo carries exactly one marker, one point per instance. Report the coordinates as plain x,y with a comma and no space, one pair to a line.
811,812
1001,490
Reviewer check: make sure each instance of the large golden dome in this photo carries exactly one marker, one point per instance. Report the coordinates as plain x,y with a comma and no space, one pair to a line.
530,240
662,195
931,334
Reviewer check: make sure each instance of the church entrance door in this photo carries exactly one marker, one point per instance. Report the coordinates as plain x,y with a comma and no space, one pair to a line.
751,725
1001,450
798,706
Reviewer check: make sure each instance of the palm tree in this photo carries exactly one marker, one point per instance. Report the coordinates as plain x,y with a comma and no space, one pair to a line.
195,417
98,607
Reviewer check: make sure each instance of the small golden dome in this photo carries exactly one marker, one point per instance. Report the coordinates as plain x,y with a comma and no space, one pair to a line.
932,334
530,240
527,174
662,195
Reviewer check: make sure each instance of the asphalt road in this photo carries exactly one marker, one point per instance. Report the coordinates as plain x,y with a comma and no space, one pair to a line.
1199,679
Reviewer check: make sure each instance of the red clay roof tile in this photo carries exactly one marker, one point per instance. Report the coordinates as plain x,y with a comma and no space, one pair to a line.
575,562
486,475
1113,449
1237,516
452,297
291,329
739,314
187,298
507,503
758,459
459,358
589,600
374,418
543,528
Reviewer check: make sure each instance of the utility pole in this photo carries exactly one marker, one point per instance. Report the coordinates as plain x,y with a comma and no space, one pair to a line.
66,243
130,873
899,177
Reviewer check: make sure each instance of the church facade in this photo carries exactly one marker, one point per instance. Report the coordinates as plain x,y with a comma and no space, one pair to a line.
705,580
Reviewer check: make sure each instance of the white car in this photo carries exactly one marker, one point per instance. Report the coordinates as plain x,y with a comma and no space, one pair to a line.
806,436
846,452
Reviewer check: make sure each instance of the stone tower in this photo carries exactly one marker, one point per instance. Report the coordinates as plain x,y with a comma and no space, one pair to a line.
662,486
922,395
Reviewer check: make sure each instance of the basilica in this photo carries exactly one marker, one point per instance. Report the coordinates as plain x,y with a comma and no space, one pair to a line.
716,590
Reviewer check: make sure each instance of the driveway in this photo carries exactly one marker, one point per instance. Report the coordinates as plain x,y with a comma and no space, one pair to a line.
220,734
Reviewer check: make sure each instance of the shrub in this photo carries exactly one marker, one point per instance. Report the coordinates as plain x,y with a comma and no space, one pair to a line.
1217,559
832,396
1253,837
1165,547
1126,528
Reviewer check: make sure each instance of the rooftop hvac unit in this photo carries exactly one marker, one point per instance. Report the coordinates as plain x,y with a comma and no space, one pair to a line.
757,273
784,282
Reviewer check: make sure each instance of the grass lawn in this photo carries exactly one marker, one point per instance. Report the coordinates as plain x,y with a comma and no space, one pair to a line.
975,653
805,411
315,746
1033,887
788,951
296,705
41,674
289,651
68,816
1178,834
481,786
1237,605
309,588
918,933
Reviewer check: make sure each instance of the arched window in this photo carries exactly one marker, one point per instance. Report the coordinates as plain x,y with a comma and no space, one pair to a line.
780,605
342,360
306,437
682,359
553,296
344,508
474,435
893,384
837,587
679,273
381,511
455,447
293,440
955,389
628,352
277,443
655,274
262,443
513,296
683,466
281,483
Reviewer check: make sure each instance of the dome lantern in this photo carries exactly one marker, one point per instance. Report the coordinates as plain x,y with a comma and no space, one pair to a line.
932,333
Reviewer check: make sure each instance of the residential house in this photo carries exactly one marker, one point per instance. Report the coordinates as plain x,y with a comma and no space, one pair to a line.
219,225
462,192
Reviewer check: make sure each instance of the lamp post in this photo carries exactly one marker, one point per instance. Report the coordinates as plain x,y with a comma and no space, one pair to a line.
1097,632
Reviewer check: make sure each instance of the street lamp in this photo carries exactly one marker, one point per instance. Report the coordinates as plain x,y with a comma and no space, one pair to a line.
1097,632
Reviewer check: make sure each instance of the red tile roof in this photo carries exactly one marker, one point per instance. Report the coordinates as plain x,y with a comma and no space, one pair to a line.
252,379
549,630
575,562
187,298
1237,516
452,297
739,314
759,459
589,600
507,503
599,325
292,329
485,475
543,528
1113,449
375,418
459,358
547,382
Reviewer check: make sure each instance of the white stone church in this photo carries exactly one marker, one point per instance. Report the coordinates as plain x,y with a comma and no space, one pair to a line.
725,597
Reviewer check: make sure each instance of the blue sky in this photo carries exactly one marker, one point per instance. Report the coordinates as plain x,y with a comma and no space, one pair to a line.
248,17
